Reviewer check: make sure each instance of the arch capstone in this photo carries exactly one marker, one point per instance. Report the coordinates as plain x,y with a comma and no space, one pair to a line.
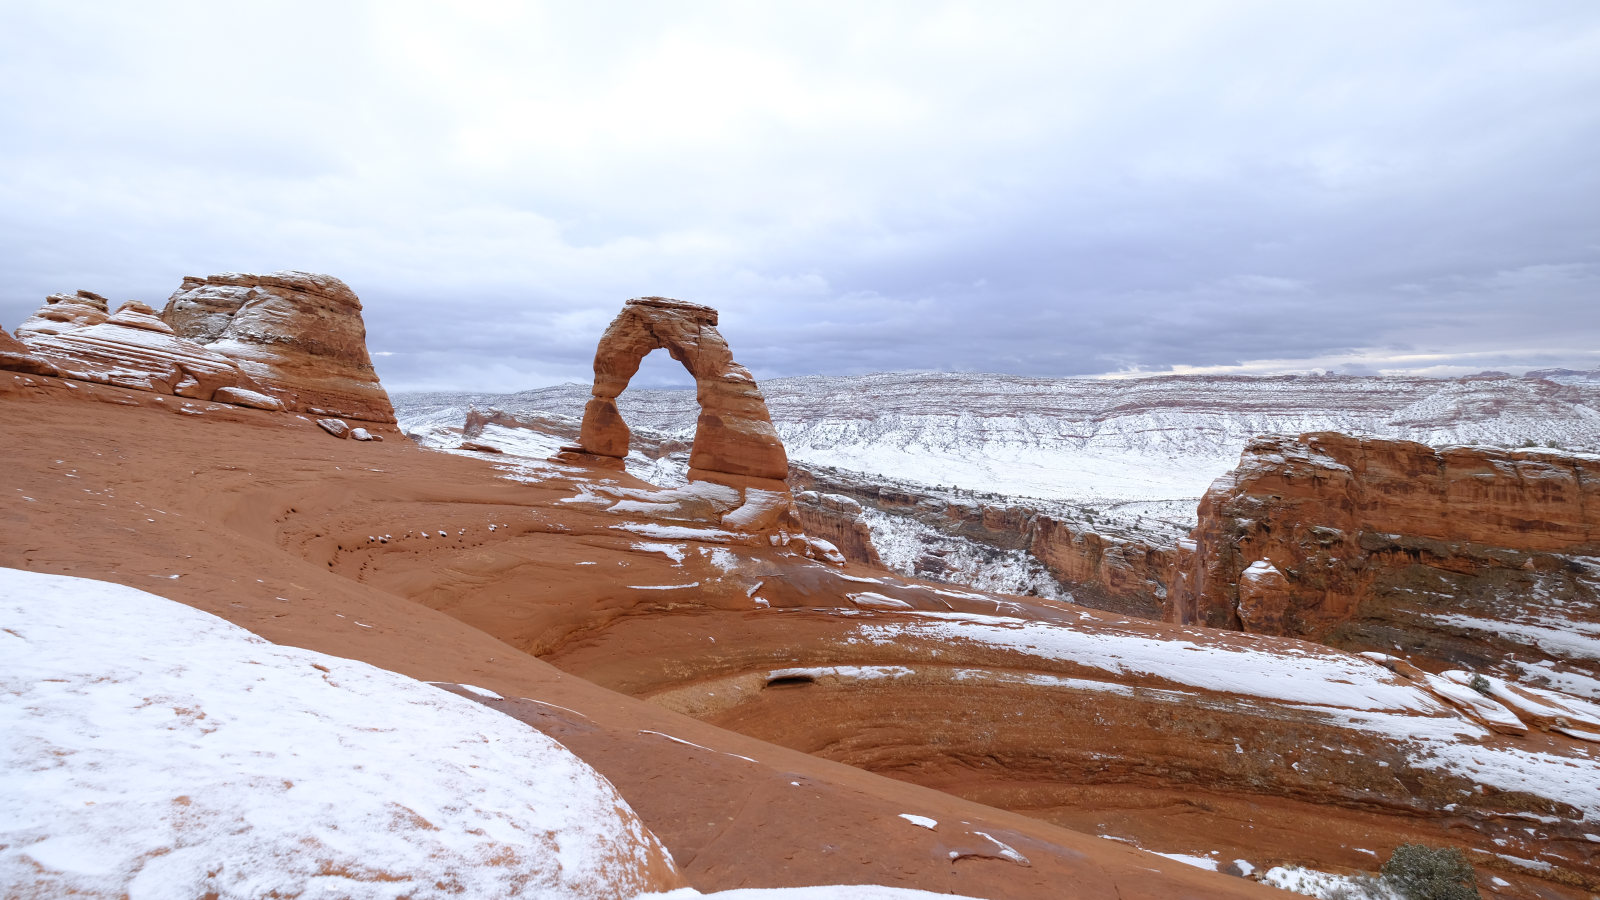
734,434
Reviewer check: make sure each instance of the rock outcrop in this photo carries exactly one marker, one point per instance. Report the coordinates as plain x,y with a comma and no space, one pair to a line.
300,336
837,519
66,312
1469,556
135,349
16,357
734,434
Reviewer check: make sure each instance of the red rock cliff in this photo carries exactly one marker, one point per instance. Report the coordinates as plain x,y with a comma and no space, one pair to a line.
1459,554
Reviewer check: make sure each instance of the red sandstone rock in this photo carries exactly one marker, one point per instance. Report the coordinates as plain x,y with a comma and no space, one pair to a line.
245,397
134,349
65,312
336,427
1365,543
838,520
299,335
16,357
734,435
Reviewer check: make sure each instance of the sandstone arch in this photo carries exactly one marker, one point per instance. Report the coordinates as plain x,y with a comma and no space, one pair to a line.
734,435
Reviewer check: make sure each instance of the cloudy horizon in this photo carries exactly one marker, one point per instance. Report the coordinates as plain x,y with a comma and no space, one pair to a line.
1035,189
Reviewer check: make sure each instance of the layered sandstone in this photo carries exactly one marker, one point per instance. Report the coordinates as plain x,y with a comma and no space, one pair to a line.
16,357
134,348
1466,555
733,434
297,334
837,519
66,312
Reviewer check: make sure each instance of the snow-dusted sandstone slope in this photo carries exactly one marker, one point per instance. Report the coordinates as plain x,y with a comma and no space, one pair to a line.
148,749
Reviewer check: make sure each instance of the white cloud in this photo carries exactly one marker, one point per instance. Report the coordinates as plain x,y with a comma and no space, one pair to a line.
1042,187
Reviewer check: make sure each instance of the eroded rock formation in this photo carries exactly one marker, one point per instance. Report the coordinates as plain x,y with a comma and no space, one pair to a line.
1469,556
837,519
290,340
299,335
66,312
734,434
16,357
135,349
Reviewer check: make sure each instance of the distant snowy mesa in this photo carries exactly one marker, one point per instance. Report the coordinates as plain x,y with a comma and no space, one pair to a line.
1145,446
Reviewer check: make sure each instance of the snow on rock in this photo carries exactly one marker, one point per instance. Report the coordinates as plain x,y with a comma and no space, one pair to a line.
920,821
1326,885
1305,673
148,749
676,532
1546,709
902,541
874,600
819,892
1480,707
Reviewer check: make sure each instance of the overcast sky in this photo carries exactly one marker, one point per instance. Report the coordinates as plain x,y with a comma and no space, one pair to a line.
1049,188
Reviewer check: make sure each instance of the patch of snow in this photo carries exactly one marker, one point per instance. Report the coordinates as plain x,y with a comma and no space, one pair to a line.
1199,862
1004,849
1309,674
166,752
673,552
872,600
1326,885
485,693
1560,639
843,673
920,821
676,532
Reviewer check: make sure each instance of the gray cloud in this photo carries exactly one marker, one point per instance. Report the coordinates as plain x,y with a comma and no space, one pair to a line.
1037,188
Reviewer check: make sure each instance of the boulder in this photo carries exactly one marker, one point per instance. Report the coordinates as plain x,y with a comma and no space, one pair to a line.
243,397
300,336
336,427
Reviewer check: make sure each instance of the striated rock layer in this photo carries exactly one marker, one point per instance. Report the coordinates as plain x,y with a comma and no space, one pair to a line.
15,356
286,341
66,312
1466,555
135,349
299,335
837,519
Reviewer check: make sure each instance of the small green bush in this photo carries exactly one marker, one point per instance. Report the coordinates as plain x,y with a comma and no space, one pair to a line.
1480,684
1418,872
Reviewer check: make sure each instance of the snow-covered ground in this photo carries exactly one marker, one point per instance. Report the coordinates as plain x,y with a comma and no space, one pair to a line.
150,750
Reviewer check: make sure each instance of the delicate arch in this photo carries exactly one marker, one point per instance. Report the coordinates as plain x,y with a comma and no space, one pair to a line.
734,434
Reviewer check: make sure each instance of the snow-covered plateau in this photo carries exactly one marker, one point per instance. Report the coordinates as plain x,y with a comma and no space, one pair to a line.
1124,447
